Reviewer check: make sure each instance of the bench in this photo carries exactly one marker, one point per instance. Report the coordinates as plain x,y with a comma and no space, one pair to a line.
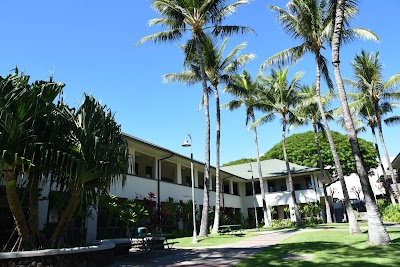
148,244
233,229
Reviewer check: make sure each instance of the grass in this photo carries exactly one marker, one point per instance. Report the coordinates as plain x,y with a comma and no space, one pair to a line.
318,226
331,249
213,240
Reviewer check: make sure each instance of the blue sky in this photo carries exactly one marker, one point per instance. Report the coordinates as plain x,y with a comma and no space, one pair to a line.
89,46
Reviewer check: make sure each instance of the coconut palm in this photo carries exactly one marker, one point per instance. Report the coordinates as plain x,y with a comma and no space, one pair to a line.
378,96
25,110
218,70
310,21
246,90
308,112
279,98
377,233
180,16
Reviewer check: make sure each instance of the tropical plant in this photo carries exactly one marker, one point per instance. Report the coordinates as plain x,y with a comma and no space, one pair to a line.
279,98
377,233
311,22
25,111
247,90
218,70
100,158
180,16
308,112
375,99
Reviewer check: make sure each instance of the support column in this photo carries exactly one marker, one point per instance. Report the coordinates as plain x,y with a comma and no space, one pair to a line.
196,178
91,224
178,173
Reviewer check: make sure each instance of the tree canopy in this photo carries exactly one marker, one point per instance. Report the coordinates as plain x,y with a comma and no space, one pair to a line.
301,150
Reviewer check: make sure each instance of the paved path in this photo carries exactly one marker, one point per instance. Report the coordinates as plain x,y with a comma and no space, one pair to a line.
224,255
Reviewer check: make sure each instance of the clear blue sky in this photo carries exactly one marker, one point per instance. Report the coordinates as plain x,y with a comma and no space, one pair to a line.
89,46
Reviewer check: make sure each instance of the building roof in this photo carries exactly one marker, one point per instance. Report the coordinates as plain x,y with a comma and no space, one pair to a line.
269,168
396,162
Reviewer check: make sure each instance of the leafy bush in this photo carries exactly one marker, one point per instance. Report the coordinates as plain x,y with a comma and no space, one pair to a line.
282,223
389,212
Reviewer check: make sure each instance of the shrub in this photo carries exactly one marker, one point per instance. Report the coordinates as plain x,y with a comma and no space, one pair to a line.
282,223
389,212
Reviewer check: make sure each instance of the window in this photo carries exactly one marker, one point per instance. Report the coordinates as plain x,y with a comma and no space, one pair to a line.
149,172
136,171
249,189
201,179
297,186
188,181
271,187
309,183
283,187
235,189
226,187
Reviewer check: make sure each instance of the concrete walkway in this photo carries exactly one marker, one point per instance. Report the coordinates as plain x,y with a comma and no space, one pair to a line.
224,255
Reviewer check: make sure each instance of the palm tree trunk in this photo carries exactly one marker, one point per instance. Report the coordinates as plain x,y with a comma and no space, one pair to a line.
264,203
377,233
292,192
66,217
386,185
394,186
204,214
16,207
354,228
217,163
321,167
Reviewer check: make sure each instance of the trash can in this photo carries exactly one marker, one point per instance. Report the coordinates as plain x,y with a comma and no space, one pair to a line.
142,231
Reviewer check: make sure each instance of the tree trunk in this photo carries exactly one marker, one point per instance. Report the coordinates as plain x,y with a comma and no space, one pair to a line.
321,167
354,228
204,215
386,184
264,203
66,217
394,186
16,207
292,192
34,208
377,233
217,163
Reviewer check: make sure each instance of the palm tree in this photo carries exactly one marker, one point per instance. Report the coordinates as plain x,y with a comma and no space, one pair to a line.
25,110
100,158
218,70
179,16
310,21
377,233
280,97
308,111
378,95
247,91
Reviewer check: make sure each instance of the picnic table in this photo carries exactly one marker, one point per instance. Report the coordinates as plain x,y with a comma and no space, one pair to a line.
233,229
149,242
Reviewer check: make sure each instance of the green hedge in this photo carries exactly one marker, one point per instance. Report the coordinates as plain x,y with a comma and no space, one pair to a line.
389,212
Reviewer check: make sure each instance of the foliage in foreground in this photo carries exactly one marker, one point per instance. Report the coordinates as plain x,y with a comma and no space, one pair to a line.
329,248
389,212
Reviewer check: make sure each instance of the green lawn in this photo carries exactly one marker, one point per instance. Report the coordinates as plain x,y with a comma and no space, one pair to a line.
213,240
330,248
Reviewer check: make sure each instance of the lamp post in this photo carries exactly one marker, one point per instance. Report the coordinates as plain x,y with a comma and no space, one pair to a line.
254,196
187,144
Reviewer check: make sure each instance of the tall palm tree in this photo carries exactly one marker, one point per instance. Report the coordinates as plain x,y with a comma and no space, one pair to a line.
280,97
218,70
308,112
377,233
310,21
180,16
247,91
378,95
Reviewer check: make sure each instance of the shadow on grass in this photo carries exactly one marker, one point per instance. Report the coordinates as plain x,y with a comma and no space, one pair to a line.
330,254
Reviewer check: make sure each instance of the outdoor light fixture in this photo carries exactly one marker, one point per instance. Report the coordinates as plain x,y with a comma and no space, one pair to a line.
187,144
254,196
